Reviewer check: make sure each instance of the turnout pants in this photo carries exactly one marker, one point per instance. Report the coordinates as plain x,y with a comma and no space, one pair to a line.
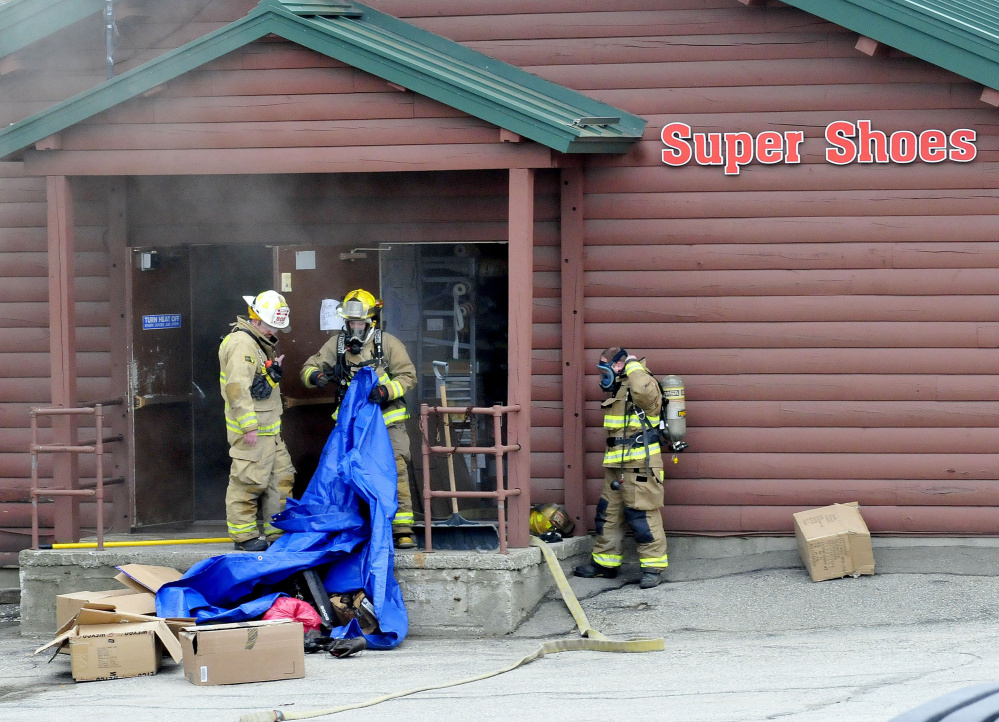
636,503
262,474
402,523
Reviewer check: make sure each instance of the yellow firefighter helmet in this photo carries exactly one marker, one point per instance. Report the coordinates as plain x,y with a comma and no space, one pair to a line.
358,305
549,516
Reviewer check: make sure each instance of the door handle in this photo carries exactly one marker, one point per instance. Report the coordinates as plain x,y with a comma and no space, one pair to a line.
290,402
159,400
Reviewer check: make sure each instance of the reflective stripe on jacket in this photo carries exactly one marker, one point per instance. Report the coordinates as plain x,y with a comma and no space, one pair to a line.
621,419
396,373
240,359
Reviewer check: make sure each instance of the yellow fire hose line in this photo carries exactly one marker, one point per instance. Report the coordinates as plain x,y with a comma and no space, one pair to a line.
137,543
592,641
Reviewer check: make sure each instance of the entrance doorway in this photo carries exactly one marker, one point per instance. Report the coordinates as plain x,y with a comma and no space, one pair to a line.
183,300
447,302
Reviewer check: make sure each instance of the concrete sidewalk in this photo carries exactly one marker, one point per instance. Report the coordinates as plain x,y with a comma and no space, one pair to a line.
759,645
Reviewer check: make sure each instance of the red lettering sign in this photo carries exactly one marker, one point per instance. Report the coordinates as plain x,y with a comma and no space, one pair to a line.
848,143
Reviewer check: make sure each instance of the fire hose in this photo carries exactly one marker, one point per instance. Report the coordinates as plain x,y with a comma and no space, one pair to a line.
591,640
136,543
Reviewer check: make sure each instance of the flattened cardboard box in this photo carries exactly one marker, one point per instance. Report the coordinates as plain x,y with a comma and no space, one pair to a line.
146,578
834,542
119,600
243,652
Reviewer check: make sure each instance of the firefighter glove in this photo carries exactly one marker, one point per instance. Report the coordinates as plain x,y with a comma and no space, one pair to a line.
318,378
379,394
260,389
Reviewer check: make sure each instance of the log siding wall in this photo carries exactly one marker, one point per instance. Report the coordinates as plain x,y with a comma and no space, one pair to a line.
836,326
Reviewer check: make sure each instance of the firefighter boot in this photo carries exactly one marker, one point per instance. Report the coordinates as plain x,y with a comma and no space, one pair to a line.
252,545
591,570
404,542
649,580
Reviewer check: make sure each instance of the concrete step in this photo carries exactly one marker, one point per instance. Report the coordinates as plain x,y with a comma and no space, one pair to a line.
447,593
471,594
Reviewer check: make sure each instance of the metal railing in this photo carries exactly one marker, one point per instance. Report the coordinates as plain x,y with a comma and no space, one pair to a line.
498,449
83,490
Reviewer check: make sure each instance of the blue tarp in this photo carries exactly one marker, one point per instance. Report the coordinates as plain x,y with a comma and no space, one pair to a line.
342,526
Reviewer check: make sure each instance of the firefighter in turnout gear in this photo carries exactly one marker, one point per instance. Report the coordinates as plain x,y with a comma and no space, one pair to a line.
362,343
633,470
261,470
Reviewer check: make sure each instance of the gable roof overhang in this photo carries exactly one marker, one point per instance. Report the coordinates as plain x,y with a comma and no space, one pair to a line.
23,22
386,47
958,35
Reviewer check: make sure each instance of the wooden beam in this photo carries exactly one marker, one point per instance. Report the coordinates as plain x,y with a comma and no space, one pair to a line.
287,134
870,46
53,142
367,159
11,64
573,425
520,309
990,96
120,285
62,353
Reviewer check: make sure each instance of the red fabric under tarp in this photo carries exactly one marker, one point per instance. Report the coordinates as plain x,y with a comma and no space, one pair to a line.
294,609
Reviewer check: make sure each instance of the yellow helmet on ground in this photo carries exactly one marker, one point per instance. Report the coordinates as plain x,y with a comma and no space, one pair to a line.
269,307
358,305
546,517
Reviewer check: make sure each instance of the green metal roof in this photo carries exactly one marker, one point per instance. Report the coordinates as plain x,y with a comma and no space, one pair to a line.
23,22
384,46
959,35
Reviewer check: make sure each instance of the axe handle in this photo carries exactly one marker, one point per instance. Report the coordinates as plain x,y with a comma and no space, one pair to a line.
447,442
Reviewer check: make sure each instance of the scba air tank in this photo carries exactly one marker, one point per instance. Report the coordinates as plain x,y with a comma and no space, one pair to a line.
676,409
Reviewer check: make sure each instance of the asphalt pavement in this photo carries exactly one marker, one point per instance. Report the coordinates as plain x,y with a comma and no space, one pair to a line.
766,645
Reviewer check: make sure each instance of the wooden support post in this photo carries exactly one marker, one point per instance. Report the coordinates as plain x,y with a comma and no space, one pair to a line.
120,282
521,292
62,350
573,423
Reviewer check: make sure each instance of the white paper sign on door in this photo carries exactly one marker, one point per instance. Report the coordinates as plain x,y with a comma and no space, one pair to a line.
328,320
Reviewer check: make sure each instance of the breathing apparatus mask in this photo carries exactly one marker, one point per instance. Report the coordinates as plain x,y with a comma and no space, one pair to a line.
358,334
360,313
610,380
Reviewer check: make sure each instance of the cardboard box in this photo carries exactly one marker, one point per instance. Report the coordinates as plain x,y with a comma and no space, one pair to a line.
113,645
175,624
118,600
141,582
115,651
834,542
243,652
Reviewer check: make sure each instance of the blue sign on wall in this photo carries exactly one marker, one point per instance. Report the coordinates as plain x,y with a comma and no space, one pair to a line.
163,320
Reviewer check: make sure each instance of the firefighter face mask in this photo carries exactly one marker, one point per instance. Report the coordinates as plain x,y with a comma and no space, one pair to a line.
358,334
608,379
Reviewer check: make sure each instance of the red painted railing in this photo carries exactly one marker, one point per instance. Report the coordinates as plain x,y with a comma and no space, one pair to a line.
97,448
498,449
